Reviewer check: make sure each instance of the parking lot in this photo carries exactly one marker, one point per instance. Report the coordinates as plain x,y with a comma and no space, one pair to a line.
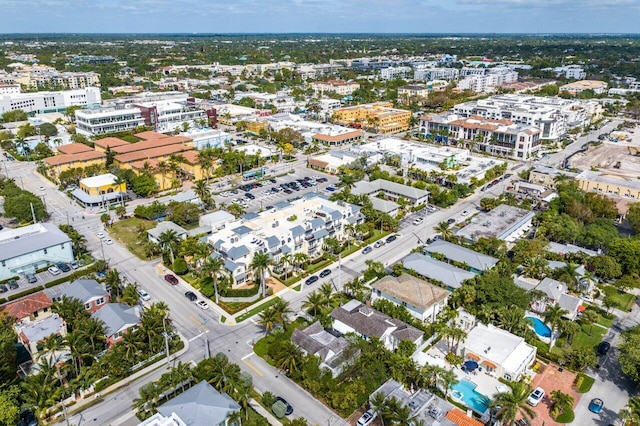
288,187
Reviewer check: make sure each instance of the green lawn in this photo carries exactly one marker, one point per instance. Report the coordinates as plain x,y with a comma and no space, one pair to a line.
256,310
127,232
582,339
586,384
620,300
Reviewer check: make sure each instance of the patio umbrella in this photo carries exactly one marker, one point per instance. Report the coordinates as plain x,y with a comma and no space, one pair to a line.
470,365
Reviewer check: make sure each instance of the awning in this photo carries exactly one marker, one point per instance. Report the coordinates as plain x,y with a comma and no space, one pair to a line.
472,356
581,308
490,365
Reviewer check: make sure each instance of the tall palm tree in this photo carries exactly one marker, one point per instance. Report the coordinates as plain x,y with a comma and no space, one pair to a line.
300,259
169,242
213,268
202,191
130,295
286,260
288,358
282,309
72,310
163,167
512,402
378,403
113,280
92,329
268,319
260,265
347,180
589,317
326,290
315,302
445,231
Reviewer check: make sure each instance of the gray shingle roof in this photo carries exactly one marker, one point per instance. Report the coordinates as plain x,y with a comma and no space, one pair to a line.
296,231
237,252
317,222
449,275
43,235
116,317
167,225
315,340
409,192
200,405
84,290
461,254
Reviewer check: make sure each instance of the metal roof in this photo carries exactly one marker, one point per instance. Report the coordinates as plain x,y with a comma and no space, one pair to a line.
26,240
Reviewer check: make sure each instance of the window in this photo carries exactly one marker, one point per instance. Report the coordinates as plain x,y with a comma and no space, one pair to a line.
87,306
45,251
100,301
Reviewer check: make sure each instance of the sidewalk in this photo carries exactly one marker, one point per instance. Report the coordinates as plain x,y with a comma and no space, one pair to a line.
264,413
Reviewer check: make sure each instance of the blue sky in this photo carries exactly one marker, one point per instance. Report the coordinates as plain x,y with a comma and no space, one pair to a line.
331,16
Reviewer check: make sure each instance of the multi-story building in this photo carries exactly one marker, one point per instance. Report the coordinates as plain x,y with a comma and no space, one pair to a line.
100,190
431,74
100,121
413,93
499,137
485,83
297,227
379,116
548,176
570,71
24,250
343,88
609,183
61,80
42,102
9,89
63,162
580,86
392,73
553,116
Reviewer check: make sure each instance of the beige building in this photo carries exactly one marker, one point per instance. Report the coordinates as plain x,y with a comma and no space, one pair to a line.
608,183
548,176
382,117
413,93
340,87
582,85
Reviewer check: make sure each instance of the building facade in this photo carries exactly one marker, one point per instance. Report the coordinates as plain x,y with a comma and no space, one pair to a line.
43,102
382,117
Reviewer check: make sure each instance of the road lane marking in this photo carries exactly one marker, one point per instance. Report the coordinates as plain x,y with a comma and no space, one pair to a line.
248,364
197,321
198,336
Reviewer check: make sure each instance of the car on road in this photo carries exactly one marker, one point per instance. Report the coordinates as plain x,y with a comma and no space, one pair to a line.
100,235
53,270
64,267
171,279
42,188
74,264
269,207
367,418
108,241
535,397
603,348
288,407
3,288
379,244
596,405
12,284
325,273
272,180
367,250
418,221
202,305
312,279
322,180
391,238
31,278
431,209
143,295
451,221
465,213
191,296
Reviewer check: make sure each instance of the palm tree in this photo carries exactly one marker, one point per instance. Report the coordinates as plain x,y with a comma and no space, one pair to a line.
560,400
512,402
347,180
300,259
201,190
130,295
113,281
281,307
569,274
379,405
288,357
267,319
92,329
445,231
163,167
236,209
315,302
326,290
213,268
260,265
589,317
349,232
169,242
569,329
553,318
71,310
536,267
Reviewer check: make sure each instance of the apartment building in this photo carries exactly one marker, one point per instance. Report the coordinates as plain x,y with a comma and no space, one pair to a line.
499,137
297,227
575,72
552,115
100,121
431,74
343,88
487,82
393,73
61,80
580,86
381,117
43,102
9,89
391,191
413,93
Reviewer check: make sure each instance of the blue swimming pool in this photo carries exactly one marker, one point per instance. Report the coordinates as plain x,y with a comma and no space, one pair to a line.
466,392
539,326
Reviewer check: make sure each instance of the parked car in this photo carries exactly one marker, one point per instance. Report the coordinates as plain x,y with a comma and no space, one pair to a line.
74,264
64,267
53,270
143,295
418,221
535,397
596,405
191,296
108,241
465,213
325,273
322,180
603,348
100,235
330,188
379,244
367,418
202,305
3,288
289,408
31,278
171,279
367,250
272,180
391,238
312,279
12,284
451,221
249,196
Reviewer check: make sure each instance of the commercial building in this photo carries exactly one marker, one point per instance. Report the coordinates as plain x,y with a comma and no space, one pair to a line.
332,161
27,249
379,116
549,176
609,183
474,261
297,227
449,276
391,191
101,190
499,137
413,93
431,74
100,121
505,223
393,73
580,86
62,162
575,72
552,115
487,82
343,88
43,102
422,299
312,131
367,323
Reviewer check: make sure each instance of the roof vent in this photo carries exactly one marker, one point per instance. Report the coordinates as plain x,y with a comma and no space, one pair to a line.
366,311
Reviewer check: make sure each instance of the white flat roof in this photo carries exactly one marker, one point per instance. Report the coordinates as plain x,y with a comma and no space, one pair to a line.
100,180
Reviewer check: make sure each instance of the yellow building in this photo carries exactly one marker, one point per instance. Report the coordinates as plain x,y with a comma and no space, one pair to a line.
63,162
255,127
608,183
382,117
100,191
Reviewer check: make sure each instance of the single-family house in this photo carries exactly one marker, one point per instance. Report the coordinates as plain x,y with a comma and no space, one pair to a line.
476,262
32,334
199,405
422,299
89,292
450,276
118,320
33,307
366,322
332,351
167,225
557,294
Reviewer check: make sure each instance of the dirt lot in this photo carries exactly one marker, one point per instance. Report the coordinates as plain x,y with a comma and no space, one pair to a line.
606,156
550,379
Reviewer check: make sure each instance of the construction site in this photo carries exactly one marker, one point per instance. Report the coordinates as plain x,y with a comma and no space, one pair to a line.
618,154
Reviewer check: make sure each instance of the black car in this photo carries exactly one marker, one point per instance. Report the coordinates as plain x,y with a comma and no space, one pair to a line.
249,196
191,296
603,348
64,267
289,409
322,180
288,191
272,180
451,221
391,238
312,279
275,189
325,273
4,289
12,284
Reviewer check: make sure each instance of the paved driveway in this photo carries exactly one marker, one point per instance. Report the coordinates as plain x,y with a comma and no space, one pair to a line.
550,378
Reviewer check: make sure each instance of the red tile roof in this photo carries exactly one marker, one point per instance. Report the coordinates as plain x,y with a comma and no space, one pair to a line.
151,143
74,148
109,142
27,305
57,160
458,417
160,151
150,135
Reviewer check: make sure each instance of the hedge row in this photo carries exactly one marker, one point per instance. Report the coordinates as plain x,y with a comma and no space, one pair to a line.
242,292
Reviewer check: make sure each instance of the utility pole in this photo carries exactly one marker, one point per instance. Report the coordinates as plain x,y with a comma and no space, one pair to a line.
207,351
166,338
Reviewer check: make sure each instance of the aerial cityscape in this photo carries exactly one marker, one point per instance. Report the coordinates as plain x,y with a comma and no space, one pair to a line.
320,213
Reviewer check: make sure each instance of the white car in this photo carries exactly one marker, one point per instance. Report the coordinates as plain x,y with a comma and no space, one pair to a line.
54,270
367,418
535,397
465,213
202,304
42,188
108,241
418,221
143,295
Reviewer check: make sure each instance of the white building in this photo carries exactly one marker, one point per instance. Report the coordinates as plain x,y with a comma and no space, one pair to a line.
392,73
552,115
24,250
99,121
207,138
340,87
312,131
569,71
431,74
42,102
9,89
486,83
297,227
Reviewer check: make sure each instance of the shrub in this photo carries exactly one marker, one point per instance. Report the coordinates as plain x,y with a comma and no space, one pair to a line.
242,292
180,266
268,399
